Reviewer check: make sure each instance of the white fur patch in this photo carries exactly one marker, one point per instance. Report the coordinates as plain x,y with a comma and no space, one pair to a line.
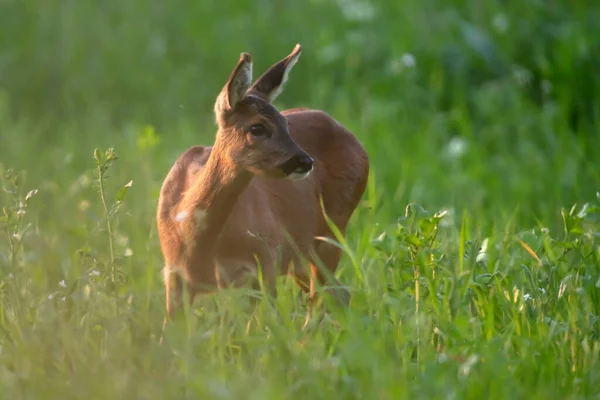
181,216
297,176
168,270
200,216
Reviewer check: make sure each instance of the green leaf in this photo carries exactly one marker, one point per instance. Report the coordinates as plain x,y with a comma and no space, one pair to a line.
427,226
572,211
565,244
440,215
577,229
99,156
584,211
111,155
123,191
483,278
379,241
414,240
330,241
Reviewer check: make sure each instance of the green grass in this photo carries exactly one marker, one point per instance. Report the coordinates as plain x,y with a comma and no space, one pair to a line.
472,273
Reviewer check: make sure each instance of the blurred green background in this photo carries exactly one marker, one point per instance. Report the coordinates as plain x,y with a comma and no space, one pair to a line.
512,85
488,109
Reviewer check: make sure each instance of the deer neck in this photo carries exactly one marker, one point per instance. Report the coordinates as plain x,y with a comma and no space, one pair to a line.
208,203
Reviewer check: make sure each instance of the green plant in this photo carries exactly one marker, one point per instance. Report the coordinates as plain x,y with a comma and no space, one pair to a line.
103,164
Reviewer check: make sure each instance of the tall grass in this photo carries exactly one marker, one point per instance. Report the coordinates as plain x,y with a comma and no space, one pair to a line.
473,260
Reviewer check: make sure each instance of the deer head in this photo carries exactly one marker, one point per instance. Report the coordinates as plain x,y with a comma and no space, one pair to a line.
252,134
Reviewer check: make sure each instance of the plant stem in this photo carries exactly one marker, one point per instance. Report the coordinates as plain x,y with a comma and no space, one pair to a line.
417,300
108,224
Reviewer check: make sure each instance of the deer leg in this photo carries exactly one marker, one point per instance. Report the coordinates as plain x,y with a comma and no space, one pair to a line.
329,255
174,292
174,289
173,296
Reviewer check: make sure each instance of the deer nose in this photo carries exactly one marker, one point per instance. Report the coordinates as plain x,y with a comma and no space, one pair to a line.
300,164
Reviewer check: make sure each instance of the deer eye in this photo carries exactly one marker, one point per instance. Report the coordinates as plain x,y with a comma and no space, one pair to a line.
259,130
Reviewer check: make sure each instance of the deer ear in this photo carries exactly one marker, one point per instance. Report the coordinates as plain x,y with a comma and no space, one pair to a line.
236,87
271,83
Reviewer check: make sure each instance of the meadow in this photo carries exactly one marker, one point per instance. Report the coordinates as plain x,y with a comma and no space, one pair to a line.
473,259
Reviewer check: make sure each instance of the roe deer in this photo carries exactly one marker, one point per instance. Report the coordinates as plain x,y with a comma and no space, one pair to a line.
226,209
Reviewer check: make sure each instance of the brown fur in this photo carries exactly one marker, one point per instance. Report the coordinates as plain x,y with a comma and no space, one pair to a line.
247,212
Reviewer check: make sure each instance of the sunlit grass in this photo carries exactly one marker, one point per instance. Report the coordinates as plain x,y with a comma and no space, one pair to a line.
513,315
